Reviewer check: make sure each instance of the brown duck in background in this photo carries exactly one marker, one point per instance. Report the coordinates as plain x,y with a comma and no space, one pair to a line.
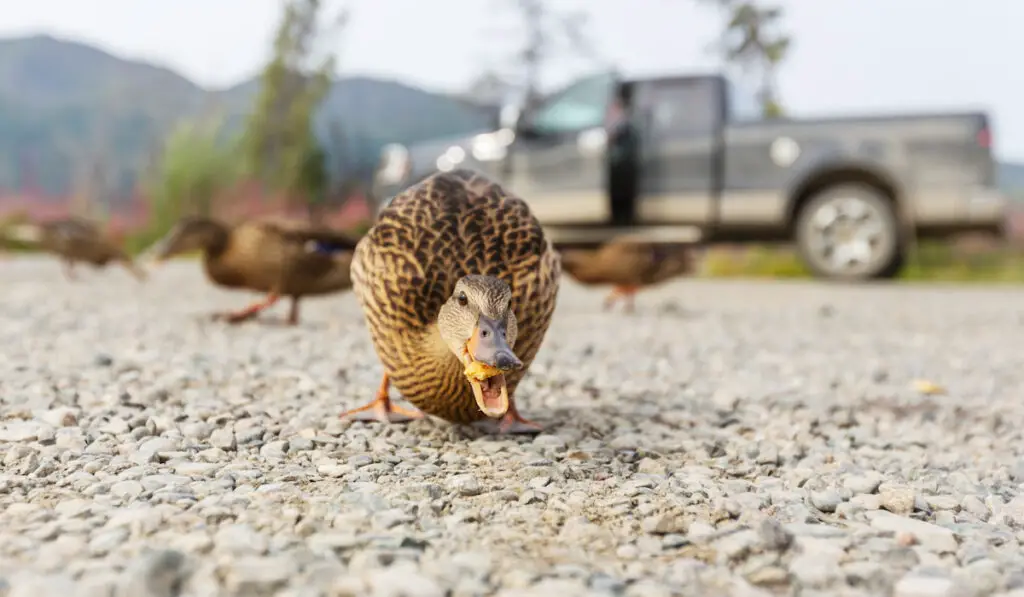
628,265
278,257
73,240
458,284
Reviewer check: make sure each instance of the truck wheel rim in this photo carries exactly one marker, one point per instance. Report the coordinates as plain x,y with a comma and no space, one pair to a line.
848,235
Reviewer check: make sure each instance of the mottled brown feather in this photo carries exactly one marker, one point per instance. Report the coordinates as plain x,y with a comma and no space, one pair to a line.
448,226
271,255
77,240
627,262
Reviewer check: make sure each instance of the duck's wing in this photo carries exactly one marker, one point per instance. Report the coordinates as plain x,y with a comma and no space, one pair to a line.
74,229
317,239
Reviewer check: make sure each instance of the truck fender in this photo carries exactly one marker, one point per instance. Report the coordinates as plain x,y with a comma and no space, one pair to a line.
836,168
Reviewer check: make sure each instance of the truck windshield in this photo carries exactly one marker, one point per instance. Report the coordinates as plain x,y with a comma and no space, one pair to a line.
580,106
743,103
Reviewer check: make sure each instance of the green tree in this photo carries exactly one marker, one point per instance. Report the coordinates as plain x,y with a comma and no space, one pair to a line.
195,166
550,34
279,138
752,41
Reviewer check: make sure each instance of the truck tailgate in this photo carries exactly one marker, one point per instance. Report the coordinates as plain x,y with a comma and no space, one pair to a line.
952,149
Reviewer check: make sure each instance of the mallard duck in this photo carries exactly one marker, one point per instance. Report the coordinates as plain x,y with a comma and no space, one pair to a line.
73,240
458,284
275,256
628,265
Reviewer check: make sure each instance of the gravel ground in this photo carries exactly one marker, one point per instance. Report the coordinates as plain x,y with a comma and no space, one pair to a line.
732,438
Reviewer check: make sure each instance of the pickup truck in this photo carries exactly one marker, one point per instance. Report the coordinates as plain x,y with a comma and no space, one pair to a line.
852,193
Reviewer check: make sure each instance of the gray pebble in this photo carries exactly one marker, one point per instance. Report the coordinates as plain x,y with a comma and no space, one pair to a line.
774,454
466,485
827,500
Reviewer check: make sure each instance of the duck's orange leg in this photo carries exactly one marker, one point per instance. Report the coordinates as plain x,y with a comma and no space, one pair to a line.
248,312
613,296
630,293
137,272
69,270
513,422
293,312
381,409
622,291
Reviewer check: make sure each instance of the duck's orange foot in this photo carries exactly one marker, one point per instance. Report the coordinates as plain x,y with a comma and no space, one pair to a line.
382,409
247,313
233,317
512,423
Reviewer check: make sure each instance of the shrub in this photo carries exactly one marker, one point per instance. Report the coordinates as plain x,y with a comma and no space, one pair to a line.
197,165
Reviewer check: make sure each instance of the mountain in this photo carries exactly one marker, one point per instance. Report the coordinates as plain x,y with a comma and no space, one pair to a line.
68,109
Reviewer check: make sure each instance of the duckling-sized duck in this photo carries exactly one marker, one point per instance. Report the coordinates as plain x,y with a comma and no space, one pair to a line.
628,265
275,256
458,284
73,240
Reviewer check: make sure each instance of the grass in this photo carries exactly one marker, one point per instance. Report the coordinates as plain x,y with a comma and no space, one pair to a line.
957,262
931,262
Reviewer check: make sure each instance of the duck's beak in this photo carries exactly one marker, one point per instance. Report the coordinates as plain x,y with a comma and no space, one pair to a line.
156,254
487,345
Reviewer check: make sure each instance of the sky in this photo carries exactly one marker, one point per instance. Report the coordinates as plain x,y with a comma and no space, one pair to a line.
849,56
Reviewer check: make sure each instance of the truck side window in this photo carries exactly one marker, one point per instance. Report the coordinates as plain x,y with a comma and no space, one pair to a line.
581,106
743,104
686,107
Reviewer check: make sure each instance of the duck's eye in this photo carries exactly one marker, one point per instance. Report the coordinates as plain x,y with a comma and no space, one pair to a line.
463,301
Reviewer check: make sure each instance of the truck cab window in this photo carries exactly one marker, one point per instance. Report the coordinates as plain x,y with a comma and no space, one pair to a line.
743,104
581,106
683,106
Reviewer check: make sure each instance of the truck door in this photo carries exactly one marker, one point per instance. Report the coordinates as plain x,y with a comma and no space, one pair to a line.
680,122
558,158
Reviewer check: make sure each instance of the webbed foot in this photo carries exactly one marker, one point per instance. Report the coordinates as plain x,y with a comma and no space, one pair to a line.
512,423
382,409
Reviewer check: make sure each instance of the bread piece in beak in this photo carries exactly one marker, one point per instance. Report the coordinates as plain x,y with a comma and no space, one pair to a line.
487,358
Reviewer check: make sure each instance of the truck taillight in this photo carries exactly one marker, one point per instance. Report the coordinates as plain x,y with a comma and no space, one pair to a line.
985,138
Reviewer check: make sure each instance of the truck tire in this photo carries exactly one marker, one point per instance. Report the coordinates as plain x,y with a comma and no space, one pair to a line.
850,232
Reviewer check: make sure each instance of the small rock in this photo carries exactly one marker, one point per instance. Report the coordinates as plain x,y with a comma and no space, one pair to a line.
275,450
898,499
768,575
773,535
548,441
650,466
159,574
260,576
664,525
866,501
942,502
223,438
465,485
932,537
827,500
768,454
974,505
60,417
724,400
1014,510
863,483
917,585
240,539
403,580
814,570
107,541
128,490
